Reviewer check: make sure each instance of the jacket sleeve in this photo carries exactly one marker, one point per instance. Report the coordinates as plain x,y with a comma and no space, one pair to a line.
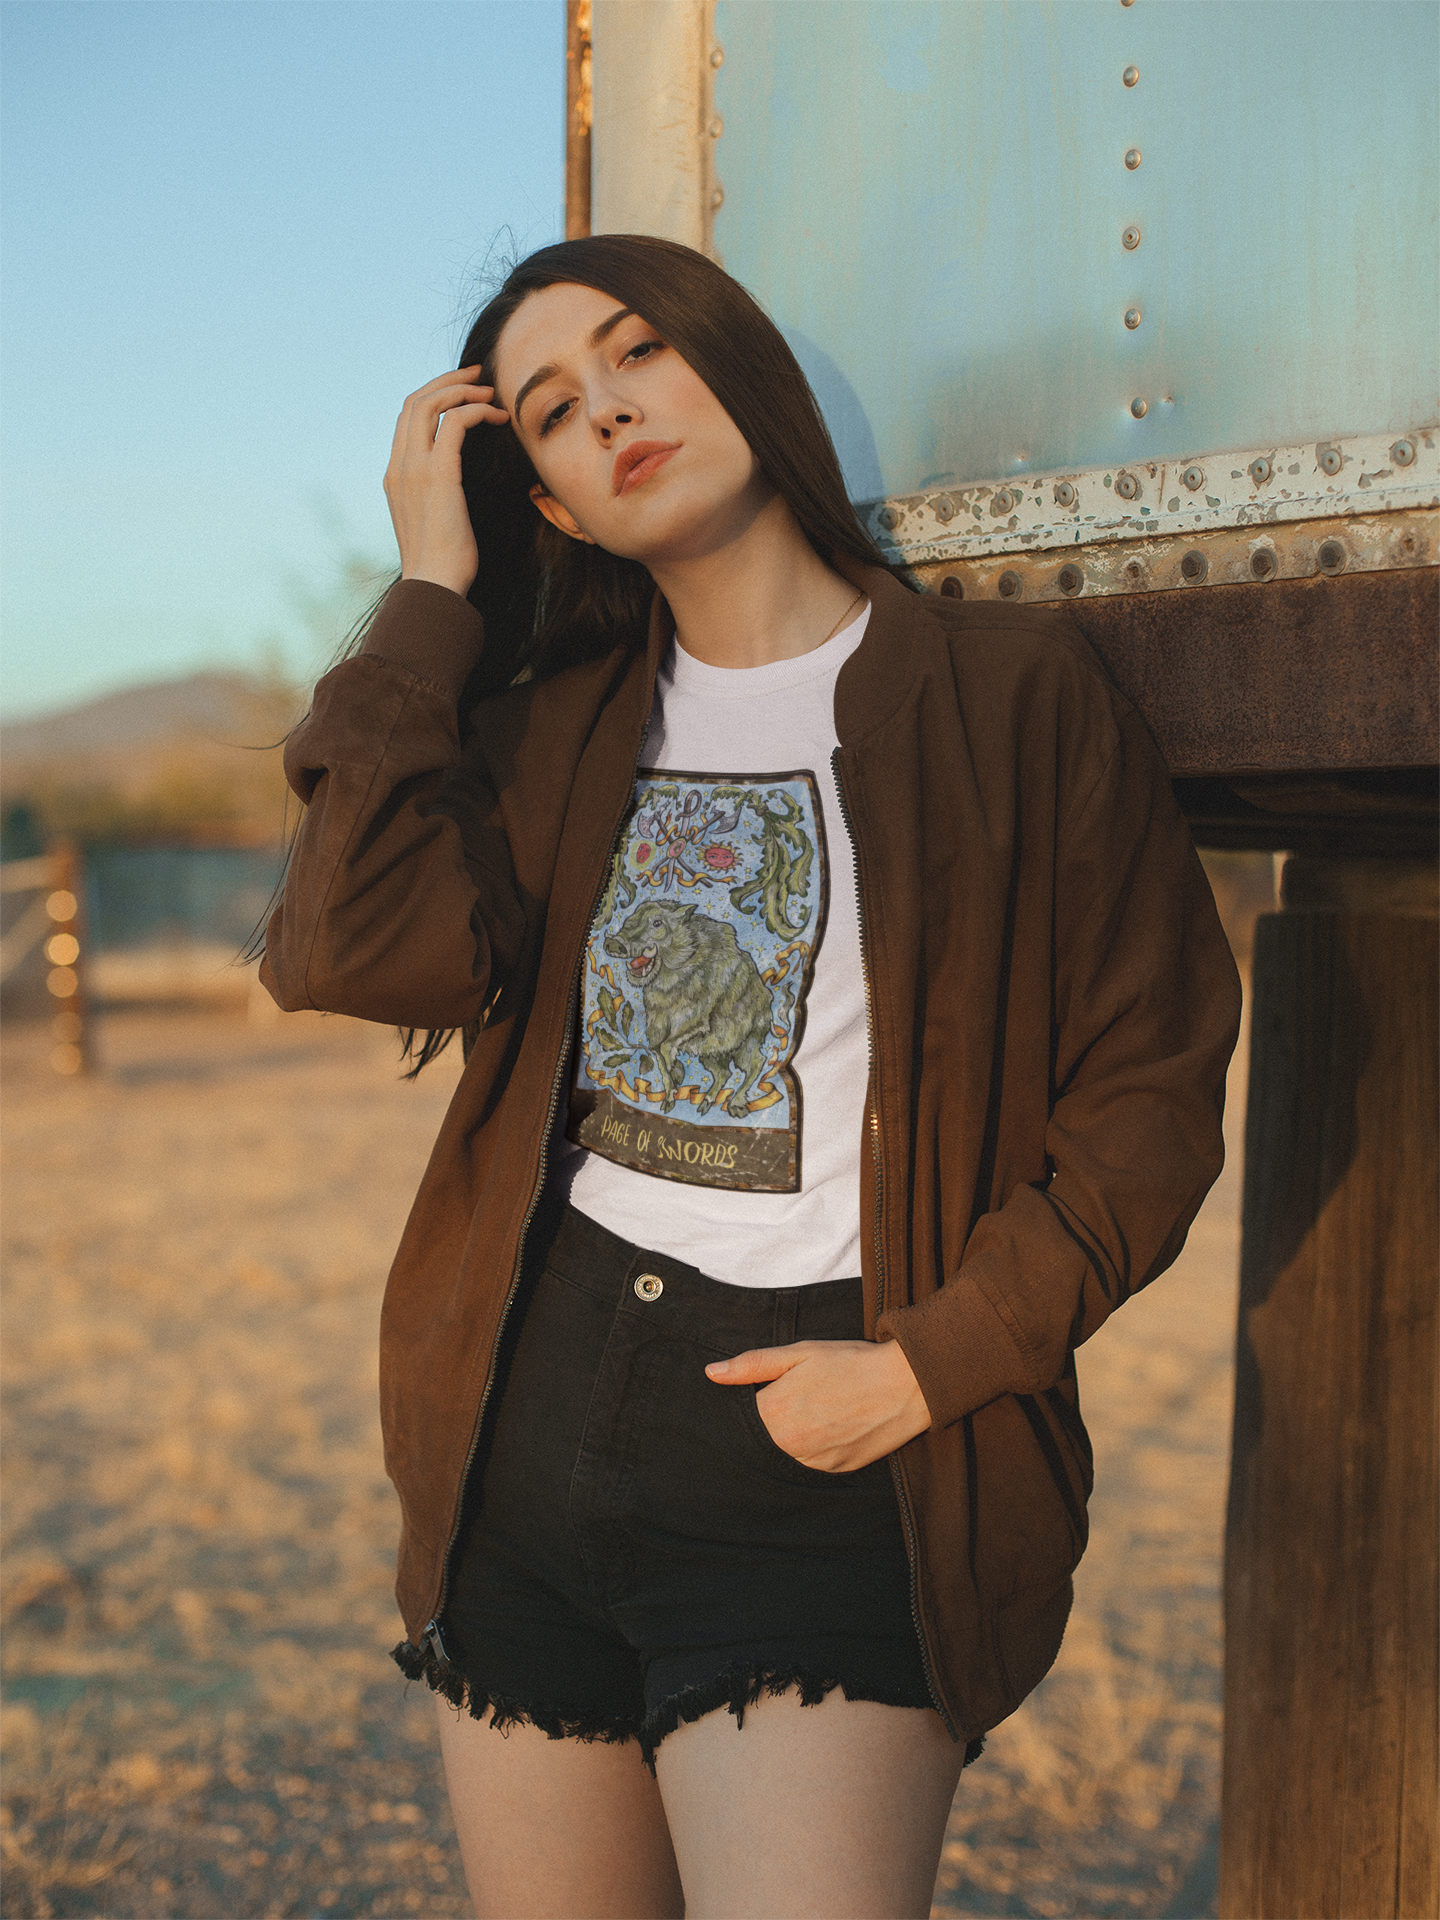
388,913
1146,1013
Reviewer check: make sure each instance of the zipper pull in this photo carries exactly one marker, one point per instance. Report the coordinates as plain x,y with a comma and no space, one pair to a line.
431,1638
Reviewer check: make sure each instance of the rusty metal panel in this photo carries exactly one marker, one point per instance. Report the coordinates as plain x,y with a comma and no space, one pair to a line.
934,201
1175,563
1290,678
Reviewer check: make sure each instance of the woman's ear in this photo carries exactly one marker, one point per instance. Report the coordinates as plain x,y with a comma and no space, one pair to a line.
559,516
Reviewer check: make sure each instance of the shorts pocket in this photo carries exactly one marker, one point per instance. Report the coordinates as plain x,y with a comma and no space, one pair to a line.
774,1457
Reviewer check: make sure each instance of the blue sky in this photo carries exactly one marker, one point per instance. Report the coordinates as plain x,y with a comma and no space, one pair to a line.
236,233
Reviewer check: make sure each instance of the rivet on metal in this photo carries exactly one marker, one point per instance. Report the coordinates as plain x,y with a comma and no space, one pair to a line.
1331,556
1070,579
1194,478
717,127
717,56
1134,571
1260,471
1139,408
717,198
1262,562
1002,501
649,1286
952,587
1132,158
1008,586
1127,486
1130,76
943,508
1132,318
1064,493
1403,452
1330,460
1130,239
1194,566
888,517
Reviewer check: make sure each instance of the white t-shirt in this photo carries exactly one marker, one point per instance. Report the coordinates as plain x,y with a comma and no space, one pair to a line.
722,1061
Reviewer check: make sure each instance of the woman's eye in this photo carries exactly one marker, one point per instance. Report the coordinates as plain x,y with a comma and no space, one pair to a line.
554,417
643,349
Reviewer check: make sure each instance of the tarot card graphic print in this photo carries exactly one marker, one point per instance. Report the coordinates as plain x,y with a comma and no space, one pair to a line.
696,971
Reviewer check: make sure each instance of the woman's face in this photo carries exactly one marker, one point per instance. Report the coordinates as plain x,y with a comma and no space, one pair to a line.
634,451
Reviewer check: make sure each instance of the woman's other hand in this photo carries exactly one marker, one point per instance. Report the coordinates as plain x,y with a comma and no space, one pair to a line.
833,1404
422,481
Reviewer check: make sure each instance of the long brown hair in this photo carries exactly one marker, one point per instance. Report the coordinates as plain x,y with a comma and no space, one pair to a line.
549,602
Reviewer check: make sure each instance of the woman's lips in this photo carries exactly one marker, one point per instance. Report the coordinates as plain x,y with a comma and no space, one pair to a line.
635,464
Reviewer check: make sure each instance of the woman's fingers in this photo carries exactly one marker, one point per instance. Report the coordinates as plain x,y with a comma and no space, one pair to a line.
421,415
423,479
457,376
429,405
760,1363
445,389
849,1403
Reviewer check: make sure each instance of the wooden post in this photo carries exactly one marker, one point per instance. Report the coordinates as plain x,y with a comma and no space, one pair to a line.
1331,1794
72,1034
577,119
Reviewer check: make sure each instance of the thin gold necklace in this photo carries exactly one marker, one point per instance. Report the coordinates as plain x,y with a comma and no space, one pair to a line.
843,618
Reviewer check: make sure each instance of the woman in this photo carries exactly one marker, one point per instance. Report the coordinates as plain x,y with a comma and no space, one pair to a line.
847,1018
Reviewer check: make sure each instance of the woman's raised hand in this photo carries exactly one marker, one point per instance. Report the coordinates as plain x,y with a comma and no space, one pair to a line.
422,481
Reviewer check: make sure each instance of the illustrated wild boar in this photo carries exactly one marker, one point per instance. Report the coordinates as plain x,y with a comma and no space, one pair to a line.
703,995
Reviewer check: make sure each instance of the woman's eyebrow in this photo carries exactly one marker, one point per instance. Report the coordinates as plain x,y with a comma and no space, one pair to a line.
606,327
540,373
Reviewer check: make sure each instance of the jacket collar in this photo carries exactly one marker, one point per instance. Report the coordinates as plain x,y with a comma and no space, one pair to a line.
875,679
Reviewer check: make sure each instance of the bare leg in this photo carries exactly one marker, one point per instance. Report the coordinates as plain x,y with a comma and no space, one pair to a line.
835,1811
557,1828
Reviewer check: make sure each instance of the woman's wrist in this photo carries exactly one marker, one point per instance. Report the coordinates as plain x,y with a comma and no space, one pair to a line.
911,1411
440,575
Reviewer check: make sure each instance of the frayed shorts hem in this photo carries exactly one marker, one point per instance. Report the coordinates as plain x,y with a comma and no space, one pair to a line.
735,1689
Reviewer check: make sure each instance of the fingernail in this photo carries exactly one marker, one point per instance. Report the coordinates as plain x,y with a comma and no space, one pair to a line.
718,1366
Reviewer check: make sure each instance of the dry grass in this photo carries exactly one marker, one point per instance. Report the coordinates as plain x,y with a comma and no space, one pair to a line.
201,1718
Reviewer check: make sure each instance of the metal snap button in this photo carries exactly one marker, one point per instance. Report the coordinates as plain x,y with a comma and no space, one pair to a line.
649,1286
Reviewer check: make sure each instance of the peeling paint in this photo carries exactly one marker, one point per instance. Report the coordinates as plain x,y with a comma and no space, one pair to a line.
920,528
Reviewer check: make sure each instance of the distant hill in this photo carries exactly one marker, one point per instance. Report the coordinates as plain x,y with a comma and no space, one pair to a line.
220,707
194,758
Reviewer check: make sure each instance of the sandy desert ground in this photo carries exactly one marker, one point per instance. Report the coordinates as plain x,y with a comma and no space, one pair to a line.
200,1717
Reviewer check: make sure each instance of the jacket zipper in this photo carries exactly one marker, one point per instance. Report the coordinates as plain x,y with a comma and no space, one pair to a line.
431,1634
902,1494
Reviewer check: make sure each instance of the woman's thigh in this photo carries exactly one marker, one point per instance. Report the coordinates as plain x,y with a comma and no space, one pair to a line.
562,1828
831,1811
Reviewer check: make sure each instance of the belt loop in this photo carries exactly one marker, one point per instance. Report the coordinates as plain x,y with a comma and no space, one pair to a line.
787,1315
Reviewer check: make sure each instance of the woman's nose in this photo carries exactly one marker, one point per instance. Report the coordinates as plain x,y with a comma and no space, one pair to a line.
609,420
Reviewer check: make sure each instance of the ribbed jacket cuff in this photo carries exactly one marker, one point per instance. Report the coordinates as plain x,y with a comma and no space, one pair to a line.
960,1350
431,631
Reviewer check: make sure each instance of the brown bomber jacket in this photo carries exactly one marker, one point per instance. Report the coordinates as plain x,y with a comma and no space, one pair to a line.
1052,1008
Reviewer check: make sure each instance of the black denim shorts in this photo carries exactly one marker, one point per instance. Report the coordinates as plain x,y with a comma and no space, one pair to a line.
635,1550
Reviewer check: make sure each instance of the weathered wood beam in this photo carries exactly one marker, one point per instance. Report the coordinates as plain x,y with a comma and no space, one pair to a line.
1332,1599
1287,677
